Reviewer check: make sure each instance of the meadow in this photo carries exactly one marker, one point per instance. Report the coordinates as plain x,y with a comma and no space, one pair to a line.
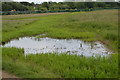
88,26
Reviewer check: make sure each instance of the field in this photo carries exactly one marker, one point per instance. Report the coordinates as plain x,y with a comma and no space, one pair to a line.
88,26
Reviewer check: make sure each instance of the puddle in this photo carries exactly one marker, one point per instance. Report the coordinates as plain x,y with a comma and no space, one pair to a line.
34,45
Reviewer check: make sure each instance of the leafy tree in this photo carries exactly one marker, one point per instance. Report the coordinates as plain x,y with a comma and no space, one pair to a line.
100,4
80,5
89,4
6,7
53,6
26,3
71,5
45,4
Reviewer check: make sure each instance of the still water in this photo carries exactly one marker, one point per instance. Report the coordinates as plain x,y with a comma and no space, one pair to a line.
33,45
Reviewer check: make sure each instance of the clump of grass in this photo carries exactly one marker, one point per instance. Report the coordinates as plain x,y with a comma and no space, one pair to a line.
58,65
111,35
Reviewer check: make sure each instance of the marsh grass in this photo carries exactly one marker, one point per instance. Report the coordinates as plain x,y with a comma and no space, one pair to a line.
58,65
88,26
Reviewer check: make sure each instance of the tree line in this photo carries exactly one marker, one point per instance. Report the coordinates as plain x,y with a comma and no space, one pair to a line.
54,6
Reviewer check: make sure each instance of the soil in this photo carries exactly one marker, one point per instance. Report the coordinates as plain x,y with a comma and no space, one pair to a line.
8,75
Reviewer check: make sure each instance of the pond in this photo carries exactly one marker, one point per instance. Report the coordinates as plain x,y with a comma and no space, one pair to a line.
33,45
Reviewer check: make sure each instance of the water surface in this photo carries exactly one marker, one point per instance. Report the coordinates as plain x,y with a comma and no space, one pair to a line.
33,45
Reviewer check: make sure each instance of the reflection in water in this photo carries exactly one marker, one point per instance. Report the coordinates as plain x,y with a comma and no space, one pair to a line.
48,45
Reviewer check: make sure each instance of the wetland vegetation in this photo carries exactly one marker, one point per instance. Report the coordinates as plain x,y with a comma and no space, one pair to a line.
58,65
87,26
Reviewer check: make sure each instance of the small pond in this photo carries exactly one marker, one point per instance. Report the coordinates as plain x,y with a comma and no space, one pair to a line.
33,45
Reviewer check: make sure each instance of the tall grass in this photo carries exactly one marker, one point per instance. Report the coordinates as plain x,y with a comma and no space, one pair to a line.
89,26
58,65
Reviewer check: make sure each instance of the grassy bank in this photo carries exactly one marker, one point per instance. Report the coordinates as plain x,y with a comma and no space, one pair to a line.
57,66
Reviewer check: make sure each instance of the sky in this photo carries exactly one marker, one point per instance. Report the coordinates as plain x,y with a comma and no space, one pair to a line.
39,1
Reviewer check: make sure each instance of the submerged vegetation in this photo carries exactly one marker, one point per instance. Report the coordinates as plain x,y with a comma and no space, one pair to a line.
88,26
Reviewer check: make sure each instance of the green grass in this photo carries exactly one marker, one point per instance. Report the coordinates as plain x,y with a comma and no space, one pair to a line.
58,65
88,26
